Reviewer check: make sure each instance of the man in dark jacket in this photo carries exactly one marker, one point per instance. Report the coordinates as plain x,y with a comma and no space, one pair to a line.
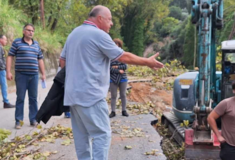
3,81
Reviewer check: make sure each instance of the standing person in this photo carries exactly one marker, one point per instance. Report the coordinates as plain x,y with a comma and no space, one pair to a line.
3,81
28,59
226,110
87,54
118,79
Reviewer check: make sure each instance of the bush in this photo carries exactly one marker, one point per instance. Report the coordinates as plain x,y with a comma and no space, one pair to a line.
175,12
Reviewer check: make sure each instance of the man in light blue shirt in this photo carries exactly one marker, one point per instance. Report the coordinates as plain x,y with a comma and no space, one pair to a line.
87,55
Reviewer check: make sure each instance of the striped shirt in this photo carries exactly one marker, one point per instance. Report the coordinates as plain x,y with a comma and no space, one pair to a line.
27,56
115,76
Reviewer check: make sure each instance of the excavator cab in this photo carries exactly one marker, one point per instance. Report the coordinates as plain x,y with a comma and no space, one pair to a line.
228,68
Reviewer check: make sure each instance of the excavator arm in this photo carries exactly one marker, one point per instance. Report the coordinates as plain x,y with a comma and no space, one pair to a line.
207,15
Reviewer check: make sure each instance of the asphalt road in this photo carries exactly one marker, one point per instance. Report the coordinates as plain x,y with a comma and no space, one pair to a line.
149,140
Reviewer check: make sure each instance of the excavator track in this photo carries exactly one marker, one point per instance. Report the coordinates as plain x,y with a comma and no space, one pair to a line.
170,121
192,152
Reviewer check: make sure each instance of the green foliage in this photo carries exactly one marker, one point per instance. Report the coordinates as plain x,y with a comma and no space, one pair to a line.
138,22
179,3
74,12
182,43
225,32
171,68
189,44
168,26
31,8
174,45
229,21
138,38
175,12
219,59
12,22
139,17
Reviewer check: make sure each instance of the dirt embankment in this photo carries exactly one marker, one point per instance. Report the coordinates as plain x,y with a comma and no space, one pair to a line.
146,92
162,99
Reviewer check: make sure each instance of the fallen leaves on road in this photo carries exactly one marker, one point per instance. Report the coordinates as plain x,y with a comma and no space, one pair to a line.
18,148
126,131
141,108
66,142
128,147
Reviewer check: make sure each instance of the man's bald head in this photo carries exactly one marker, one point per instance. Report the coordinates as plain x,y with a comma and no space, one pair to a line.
98,10
101,16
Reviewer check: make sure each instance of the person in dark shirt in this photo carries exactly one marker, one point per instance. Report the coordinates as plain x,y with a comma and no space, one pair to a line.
3,81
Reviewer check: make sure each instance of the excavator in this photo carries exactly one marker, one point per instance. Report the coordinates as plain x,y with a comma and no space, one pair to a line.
196,93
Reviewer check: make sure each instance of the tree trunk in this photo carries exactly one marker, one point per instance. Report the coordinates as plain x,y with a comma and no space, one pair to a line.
31,13
32,10
11,1
49,19
54,24
42,13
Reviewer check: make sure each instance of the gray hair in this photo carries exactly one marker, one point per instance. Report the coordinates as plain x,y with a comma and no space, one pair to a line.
28,24
94,12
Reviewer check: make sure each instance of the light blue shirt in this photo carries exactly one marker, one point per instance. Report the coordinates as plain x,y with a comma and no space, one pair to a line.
87,52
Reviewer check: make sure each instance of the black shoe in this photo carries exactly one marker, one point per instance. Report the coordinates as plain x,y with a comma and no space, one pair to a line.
8,105
124,113
112,114
33,124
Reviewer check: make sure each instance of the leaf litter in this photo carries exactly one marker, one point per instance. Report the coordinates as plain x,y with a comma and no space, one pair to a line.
21,146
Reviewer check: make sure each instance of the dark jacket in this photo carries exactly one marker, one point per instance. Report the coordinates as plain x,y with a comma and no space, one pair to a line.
2,59
115,75
53,103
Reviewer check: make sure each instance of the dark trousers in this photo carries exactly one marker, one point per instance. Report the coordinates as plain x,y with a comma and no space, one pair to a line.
227,152
26,82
